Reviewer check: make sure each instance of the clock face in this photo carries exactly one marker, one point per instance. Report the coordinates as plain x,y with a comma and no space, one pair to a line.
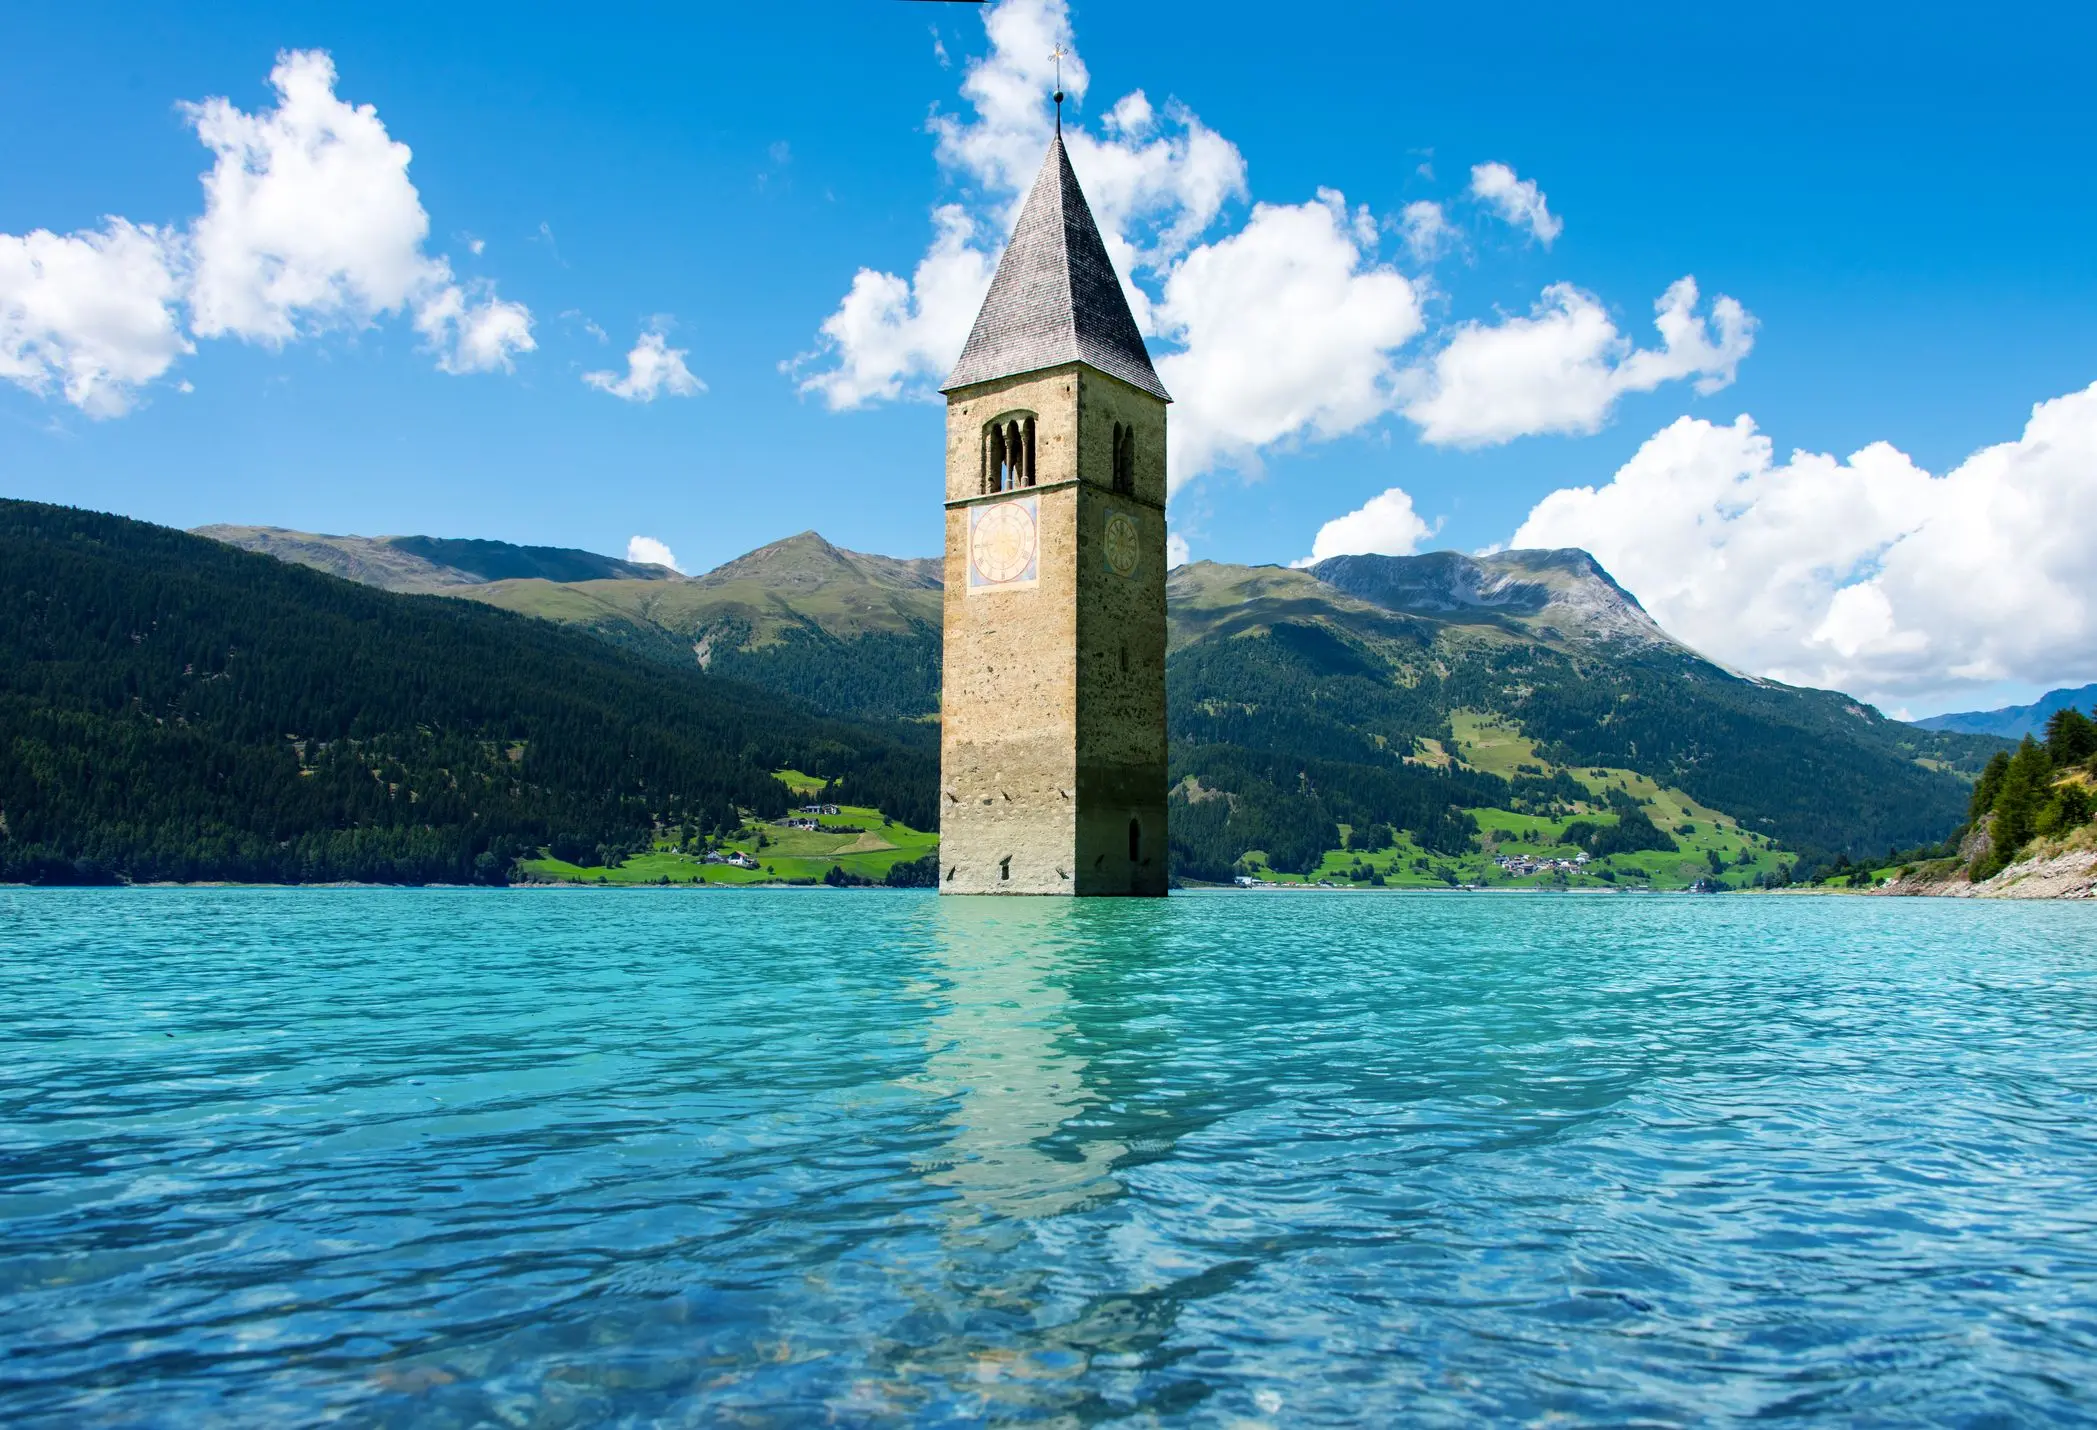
1121,544
1003,545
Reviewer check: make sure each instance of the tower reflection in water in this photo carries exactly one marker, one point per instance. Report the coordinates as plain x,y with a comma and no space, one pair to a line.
1049,1054
1006,1055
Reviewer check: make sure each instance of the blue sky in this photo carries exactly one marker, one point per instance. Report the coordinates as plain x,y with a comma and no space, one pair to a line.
1893,197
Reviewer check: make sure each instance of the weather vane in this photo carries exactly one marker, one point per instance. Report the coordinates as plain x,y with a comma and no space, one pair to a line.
1057,55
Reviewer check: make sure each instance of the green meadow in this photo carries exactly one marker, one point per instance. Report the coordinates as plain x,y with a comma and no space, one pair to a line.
1713,846
784,856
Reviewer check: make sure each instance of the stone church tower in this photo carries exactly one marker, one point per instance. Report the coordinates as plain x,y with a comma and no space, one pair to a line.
1052,746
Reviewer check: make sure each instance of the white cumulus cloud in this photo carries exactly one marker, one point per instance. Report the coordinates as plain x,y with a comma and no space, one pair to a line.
1385,525
310,224
890,333
1868,574
1287,327
91,312
476,333
650,552
1156,182
653,368
309,217
1517,200
1562,368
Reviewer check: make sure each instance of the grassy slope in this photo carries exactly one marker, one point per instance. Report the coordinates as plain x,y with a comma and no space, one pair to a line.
423,563
365,560
1486,742
788,854
686,609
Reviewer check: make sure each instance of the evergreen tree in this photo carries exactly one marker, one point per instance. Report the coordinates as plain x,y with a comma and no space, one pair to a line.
1988,786
2025,786
2071,737
2068,808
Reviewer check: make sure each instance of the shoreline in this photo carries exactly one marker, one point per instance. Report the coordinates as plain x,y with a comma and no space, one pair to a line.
2052,875
2025,888
2057,872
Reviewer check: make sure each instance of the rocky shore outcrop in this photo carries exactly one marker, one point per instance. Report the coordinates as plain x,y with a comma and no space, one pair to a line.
2050,869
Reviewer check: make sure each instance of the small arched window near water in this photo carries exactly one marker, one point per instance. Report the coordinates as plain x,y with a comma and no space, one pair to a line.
1008,453
1135,840
1124,458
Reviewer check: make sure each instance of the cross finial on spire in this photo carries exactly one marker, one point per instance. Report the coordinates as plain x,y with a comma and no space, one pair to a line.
1057,55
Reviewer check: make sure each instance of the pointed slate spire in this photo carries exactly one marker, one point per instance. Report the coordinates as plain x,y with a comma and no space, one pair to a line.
1055,298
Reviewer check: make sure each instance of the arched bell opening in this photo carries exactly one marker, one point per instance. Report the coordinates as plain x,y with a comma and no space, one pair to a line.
1008,453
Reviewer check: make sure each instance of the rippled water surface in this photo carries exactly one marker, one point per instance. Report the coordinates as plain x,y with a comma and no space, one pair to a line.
566,1157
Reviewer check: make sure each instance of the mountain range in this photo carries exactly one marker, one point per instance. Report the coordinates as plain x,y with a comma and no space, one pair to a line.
430,563
1317,700
2014,722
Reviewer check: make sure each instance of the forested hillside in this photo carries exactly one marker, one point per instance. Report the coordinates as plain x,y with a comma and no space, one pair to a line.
1352,702
1303,704
174,708
853,635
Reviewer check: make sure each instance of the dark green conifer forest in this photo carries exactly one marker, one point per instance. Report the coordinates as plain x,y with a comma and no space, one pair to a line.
874,676
173,708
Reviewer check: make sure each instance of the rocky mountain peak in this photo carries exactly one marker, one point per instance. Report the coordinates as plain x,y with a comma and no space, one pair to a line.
806,561
1564,590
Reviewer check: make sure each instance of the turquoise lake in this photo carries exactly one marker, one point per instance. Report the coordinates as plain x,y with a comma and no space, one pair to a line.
562,1157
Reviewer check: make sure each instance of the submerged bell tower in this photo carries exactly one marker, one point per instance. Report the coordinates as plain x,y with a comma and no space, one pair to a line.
1052,740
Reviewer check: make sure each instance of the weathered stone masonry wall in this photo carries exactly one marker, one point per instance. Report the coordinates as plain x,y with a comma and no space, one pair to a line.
1121,649
1053,712
1008,778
